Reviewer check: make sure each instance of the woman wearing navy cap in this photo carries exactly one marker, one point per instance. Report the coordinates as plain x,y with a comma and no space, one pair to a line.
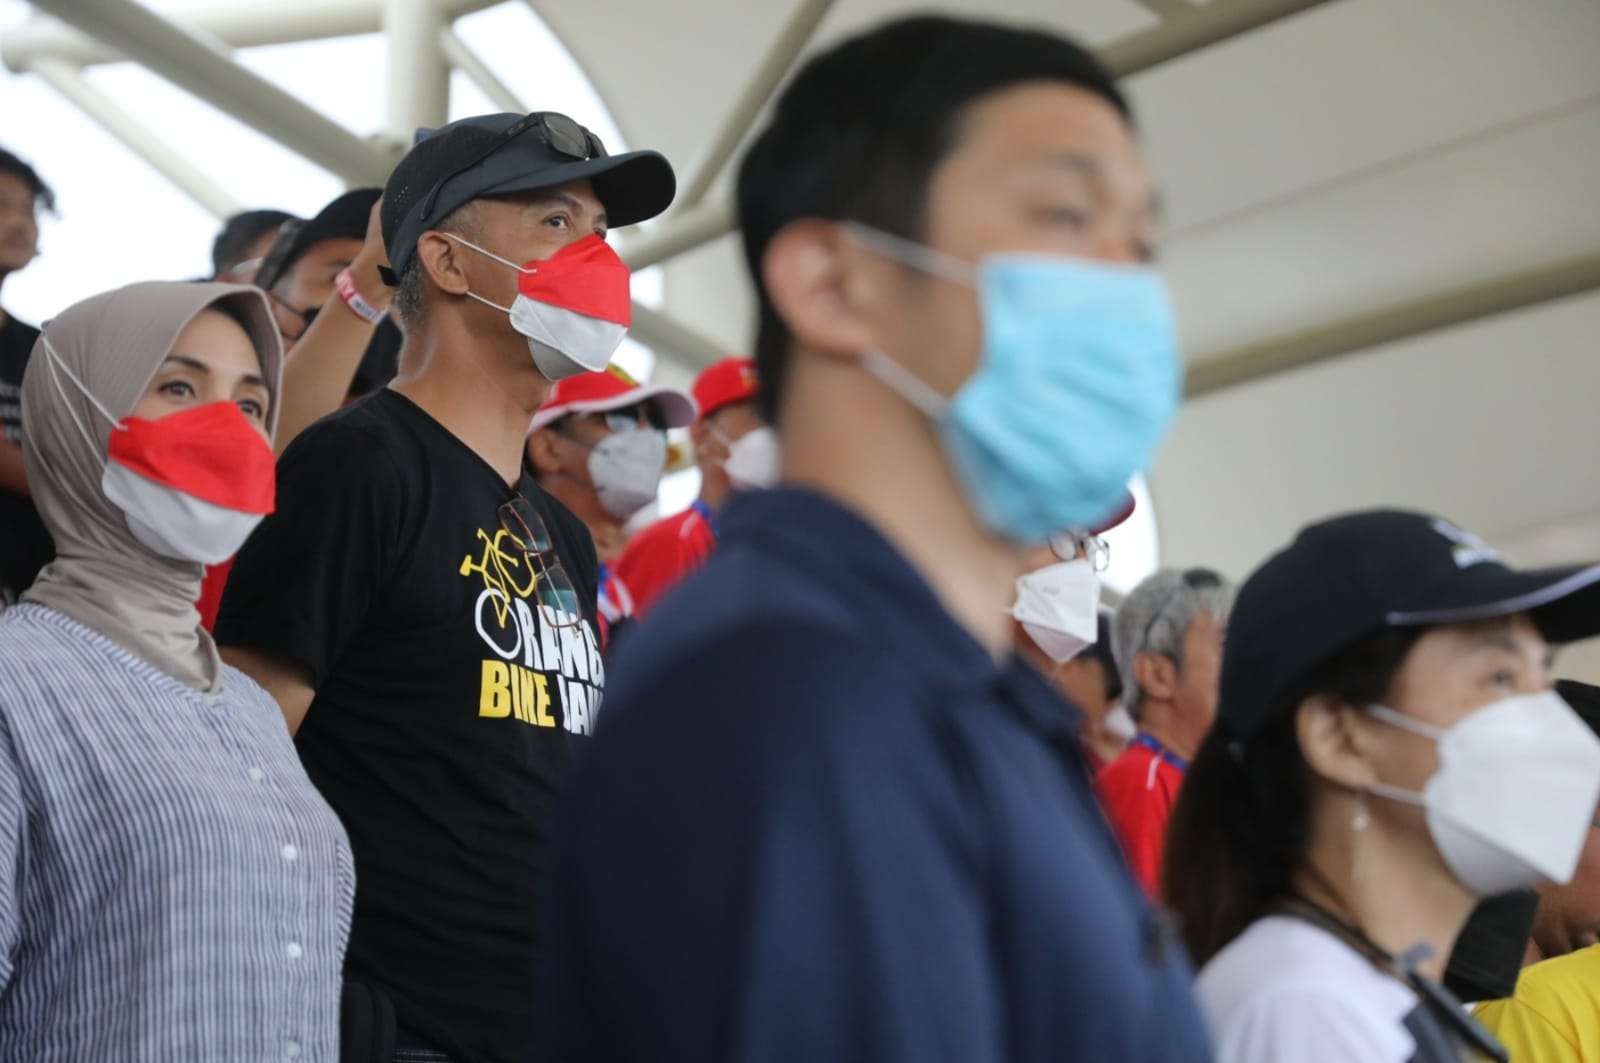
1388,751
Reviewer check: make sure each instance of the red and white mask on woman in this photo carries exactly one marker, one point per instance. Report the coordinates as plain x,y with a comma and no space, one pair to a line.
573,308
192,485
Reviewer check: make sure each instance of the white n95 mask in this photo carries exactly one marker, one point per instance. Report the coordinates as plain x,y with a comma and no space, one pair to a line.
626,468
753,458
1513,799
1056,606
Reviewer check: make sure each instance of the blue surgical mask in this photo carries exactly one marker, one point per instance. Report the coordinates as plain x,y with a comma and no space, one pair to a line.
1077,383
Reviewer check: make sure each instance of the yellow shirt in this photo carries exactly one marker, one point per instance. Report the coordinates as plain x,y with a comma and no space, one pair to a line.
1554,1016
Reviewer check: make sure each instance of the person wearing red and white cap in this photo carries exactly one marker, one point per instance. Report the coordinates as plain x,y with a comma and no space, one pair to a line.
599,445
735,451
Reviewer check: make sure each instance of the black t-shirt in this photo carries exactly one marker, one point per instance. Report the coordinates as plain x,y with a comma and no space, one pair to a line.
445,710
25,545
16,344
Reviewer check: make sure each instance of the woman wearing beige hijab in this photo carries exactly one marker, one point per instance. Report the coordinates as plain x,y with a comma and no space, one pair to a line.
171,885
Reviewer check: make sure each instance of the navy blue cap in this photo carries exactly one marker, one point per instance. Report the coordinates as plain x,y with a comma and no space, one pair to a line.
633,187
1350,577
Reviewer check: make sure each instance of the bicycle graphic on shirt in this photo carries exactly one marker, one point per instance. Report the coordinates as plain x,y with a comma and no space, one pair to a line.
498,568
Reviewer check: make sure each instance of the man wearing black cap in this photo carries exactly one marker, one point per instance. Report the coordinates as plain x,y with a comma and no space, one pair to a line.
300,269
245,239
422,610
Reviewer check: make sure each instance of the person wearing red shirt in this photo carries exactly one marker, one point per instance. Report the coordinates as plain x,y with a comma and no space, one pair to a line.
735,451
599,444
1167,639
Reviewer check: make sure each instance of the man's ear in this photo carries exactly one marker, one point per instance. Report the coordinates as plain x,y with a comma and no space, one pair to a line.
1156,675
1328,732
440,257
542,452
815,278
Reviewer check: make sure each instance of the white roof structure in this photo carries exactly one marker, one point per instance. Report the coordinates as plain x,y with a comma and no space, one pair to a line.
1382,224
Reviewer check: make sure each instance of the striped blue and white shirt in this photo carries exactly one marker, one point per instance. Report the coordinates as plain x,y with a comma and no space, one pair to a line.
172,887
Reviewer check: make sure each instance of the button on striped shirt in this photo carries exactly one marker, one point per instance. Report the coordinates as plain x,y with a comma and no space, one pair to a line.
172,887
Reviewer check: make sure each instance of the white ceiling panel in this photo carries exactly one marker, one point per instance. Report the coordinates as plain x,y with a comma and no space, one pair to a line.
1520,198
1494,425
1350,85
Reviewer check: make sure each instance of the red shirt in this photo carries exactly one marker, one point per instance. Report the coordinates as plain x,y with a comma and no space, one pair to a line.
665,552
1137,791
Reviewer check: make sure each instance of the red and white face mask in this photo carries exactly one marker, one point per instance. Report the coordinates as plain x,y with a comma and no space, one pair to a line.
573,308
192,485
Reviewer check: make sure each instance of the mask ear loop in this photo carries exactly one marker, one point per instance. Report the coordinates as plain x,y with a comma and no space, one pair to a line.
503,261
490,254
913,254
57,363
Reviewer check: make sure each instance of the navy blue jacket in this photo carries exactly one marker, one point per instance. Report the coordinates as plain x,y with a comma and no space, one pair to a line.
818,823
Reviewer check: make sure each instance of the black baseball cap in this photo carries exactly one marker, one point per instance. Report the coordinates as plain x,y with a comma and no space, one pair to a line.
1350,577
498,154
344,219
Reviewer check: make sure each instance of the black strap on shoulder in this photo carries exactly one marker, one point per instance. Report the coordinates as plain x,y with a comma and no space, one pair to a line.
1439,1001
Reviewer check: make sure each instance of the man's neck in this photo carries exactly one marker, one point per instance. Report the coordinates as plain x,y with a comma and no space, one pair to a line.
1161,721
608,532
713,489
488,410
1384,884
848,437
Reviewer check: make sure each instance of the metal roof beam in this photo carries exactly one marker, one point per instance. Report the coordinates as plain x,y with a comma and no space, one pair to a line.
173,165
464,59
695,224
780,57
672,339
199,64
236,23
1200,28
1459,306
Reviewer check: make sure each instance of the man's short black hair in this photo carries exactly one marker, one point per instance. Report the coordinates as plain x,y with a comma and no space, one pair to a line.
42,193
861,128
240,233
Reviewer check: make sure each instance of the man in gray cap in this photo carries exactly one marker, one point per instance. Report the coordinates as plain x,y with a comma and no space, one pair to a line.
422,610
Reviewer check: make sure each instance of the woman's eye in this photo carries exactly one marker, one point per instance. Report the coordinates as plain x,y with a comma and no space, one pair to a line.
178,389
252,409
558,221
1504,678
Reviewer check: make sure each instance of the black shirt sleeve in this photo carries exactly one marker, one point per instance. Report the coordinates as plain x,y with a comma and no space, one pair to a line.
305,581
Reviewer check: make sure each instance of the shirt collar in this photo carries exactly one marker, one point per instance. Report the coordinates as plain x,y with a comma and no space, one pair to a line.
889,600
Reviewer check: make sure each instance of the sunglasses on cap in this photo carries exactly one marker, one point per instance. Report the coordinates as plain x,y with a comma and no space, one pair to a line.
560,134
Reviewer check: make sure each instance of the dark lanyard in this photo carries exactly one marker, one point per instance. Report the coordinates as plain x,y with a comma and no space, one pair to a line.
1439,1001
1150,743
704,510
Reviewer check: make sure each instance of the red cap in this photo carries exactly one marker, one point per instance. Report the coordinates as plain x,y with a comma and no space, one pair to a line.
612,389
721,383
1117,516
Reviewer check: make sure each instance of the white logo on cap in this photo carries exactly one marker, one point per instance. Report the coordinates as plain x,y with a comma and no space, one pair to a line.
1469,549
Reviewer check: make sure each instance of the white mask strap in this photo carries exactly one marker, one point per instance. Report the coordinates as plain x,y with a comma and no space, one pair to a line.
486,302
913,254
491,254
905,383
1404,722
1395,793
56,363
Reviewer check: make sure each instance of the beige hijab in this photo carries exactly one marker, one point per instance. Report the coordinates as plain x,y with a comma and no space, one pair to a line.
102,576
